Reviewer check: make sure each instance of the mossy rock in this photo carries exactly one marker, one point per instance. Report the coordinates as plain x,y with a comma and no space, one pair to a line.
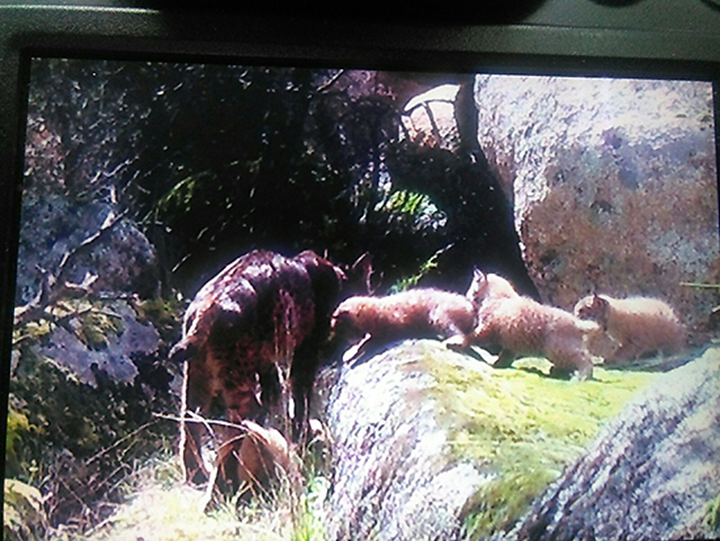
23,513
523,426
419,422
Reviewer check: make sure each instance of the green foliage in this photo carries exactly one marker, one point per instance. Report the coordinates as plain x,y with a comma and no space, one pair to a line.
406,202
711,520
412,281
266,157
96,326
18,427
92,322
309,523
523,428
179,197
214,161
83,437
414,212
477,219
165,315
31,331
159,506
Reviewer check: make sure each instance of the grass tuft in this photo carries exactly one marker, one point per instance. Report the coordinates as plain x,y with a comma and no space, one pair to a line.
711,519
160,507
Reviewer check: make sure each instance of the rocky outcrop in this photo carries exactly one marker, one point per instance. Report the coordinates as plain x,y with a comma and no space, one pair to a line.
652,474
613,182
87,239
87,366
68,233
79,262
418,457
123,346
395,476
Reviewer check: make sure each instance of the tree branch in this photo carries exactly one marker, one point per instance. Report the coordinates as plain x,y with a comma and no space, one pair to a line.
55,287
331,82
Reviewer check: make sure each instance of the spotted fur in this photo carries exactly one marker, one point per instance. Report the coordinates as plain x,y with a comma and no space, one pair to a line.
635,325
417,313
522,326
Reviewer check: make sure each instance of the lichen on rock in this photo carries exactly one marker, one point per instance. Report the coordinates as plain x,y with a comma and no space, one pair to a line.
613,182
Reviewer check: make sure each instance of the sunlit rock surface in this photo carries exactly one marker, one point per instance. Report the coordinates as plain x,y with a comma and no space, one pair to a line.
428,443
429,118
394,474
116,359
654,472
614,185
431,444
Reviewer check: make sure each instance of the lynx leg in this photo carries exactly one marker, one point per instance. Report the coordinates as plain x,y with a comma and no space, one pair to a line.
505,359
457,342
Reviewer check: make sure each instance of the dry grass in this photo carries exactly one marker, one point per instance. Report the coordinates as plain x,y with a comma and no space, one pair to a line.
159,507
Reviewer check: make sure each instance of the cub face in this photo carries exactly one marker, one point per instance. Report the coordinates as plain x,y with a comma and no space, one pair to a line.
593,308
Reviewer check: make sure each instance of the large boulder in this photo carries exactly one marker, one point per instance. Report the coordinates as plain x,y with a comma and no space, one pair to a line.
81,267
652,474
87,369
428,443
103,346
613,182
395,476
72,230
85,238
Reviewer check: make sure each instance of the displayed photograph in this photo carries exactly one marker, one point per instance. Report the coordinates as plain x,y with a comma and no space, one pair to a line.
261,301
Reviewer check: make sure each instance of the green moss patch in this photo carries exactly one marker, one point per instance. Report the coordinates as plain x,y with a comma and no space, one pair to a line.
165,315
97,327
711,519
522,427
